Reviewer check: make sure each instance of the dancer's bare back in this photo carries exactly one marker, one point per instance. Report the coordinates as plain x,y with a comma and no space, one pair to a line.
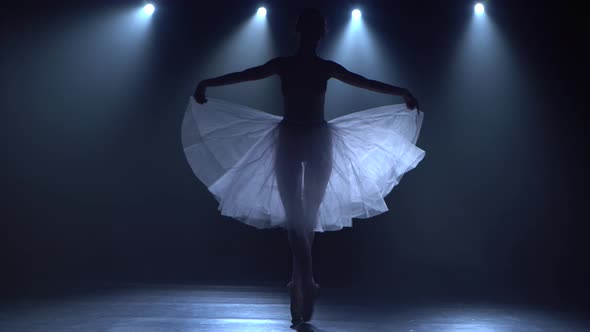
303,83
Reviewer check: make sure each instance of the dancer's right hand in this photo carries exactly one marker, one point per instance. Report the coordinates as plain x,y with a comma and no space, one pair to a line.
411,101
199,94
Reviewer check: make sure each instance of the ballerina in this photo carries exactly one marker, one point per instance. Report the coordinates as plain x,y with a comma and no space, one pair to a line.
301,172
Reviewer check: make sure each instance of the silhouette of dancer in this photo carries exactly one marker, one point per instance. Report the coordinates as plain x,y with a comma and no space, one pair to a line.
299,171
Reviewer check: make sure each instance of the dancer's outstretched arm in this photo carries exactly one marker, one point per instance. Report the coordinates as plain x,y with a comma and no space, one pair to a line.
340,73
250,74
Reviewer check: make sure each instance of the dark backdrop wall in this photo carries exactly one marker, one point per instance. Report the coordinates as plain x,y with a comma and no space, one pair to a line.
96,186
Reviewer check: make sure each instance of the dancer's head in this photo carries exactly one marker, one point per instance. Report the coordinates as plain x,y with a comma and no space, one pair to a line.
311,25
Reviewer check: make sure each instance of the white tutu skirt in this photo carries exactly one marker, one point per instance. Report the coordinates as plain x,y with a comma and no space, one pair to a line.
267,172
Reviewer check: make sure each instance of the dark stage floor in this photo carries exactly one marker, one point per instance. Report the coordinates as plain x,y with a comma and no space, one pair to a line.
150,308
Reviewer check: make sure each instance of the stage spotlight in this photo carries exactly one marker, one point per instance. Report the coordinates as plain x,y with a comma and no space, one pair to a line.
479,8
149,9
261,12
356,14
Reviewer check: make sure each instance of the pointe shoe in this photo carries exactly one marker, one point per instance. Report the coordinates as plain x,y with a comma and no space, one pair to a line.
310,293
296,304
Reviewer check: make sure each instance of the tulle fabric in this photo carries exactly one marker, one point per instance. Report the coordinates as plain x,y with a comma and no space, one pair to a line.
238,151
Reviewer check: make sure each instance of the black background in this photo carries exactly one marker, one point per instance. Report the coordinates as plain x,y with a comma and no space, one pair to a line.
96,187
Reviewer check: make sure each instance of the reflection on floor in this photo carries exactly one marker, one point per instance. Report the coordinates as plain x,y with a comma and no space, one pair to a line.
244,309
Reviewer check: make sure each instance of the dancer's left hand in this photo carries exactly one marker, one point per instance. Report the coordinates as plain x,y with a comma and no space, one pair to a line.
199,94
411,101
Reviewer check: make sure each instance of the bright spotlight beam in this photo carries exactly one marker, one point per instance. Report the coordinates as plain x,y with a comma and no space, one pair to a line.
149,9
261,12
356,14
479,8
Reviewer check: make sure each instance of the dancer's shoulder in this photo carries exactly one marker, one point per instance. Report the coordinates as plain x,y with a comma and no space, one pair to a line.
278,63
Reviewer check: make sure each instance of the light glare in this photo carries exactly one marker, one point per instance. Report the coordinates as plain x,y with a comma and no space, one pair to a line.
479,8
149,9
356,14
261,12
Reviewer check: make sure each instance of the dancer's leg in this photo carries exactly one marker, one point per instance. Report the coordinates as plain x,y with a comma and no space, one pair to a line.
316,176
289,182
289,171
